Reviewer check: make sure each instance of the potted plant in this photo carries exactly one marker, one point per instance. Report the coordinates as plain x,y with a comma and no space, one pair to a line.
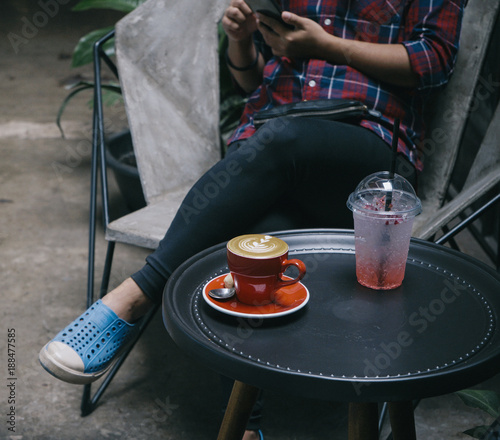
485,400
119,148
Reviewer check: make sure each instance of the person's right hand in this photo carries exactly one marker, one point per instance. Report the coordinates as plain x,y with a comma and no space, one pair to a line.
306,39
239,21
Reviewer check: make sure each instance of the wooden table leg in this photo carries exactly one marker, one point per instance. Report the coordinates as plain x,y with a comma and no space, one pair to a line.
402,420
239,408
363,421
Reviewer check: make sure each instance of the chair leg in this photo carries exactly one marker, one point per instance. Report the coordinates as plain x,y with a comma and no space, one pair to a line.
363,421
107,268
402,420
89,402
383,414
239,408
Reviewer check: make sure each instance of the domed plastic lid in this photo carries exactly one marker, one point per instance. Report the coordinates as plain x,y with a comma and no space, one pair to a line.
379,195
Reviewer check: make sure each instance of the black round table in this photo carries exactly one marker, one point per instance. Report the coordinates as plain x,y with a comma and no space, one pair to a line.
435,334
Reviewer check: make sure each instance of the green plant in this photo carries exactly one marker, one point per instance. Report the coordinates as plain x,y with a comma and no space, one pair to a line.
231,102
83,51
485,400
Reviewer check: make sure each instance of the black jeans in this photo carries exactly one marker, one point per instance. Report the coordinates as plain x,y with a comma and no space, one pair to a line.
292,173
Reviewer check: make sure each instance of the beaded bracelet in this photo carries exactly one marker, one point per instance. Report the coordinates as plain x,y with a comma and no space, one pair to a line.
242,69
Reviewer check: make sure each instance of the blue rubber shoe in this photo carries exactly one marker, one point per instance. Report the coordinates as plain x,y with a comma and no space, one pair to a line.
83,351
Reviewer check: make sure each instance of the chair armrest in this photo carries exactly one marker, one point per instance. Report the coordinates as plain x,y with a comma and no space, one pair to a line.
427,224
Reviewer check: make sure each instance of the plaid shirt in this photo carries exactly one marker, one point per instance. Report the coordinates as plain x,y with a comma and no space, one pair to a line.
429,29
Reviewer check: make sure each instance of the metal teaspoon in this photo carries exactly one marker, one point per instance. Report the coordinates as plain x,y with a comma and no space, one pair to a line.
222,294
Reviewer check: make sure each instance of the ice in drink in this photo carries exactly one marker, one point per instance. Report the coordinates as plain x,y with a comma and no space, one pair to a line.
383,210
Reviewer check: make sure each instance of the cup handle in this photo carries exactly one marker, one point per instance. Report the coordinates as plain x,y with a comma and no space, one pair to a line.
299,265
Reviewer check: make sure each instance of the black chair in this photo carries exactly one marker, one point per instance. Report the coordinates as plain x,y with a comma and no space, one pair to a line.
99,167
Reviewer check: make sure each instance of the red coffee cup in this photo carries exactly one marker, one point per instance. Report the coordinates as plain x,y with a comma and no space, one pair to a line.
257,263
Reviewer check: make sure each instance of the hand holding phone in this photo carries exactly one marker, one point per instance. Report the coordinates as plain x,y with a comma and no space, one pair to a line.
270,8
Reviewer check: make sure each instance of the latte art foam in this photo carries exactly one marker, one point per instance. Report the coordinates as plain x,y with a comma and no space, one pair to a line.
257,246
263,245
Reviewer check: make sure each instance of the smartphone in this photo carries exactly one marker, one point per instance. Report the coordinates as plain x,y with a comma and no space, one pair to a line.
271,8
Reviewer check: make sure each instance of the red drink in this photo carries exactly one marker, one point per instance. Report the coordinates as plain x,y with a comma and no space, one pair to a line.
381,250
382,230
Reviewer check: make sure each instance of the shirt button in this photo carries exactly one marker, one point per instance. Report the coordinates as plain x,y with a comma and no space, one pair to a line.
312,83
328,22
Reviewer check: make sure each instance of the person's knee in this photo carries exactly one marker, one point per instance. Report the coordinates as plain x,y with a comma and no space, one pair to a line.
277,145
280,136
273,132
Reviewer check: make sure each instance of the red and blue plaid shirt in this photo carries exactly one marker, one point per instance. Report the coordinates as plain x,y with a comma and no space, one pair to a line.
429,29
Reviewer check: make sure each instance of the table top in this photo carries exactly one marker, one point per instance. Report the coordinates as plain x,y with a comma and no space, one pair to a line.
435,334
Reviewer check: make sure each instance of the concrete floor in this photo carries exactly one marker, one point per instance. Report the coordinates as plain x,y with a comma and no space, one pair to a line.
159,393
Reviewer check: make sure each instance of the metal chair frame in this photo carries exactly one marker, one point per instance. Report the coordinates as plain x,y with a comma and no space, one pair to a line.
99,167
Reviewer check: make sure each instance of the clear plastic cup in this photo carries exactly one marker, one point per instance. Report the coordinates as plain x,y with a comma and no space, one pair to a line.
383,211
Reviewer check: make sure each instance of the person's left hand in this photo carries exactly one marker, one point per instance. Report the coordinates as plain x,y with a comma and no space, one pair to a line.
303,41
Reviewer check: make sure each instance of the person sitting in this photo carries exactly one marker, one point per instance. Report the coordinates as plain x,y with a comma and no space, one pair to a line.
291,172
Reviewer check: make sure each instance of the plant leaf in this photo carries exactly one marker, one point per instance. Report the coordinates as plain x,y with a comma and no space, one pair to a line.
485,400
477,432
111,94
118,5
84,50
80,87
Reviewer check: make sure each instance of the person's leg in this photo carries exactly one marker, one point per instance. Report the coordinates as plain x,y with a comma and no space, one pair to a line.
308,167
294,173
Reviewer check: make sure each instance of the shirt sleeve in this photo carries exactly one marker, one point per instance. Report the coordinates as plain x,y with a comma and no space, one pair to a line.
432,40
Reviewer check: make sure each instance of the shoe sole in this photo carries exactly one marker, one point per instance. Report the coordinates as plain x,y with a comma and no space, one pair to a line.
66,374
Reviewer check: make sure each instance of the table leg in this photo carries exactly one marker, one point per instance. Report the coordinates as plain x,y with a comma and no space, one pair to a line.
239,408
402,420
363,421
